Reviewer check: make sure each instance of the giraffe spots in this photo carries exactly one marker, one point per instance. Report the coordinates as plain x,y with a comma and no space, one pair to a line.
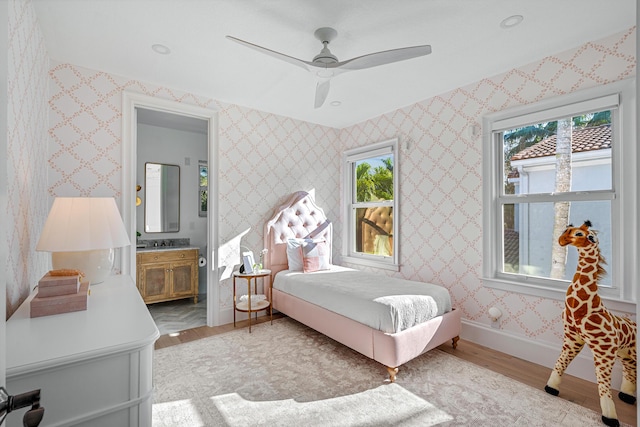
572,302
582,294
595,334
584,280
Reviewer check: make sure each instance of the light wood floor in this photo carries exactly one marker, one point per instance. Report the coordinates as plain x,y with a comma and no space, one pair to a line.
574,389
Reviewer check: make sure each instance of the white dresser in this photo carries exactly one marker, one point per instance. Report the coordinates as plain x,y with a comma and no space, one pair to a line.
94,367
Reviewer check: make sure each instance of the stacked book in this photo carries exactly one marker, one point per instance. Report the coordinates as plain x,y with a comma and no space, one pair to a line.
60,294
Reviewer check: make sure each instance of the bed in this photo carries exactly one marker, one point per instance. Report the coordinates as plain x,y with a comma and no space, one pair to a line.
299,217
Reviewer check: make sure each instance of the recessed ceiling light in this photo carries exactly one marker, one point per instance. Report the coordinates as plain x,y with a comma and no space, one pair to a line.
511,21
336,103
161,49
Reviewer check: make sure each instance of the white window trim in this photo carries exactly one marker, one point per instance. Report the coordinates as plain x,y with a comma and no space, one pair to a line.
348,255
624,220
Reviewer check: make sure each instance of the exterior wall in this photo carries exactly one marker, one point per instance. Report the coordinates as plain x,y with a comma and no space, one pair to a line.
27,203
536,220
441,178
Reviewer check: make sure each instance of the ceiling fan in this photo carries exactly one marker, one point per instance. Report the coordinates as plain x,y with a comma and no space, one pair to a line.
326,65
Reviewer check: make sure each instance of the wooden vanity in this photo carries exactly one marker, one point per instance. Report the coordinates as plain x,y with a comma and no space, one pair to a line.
167,274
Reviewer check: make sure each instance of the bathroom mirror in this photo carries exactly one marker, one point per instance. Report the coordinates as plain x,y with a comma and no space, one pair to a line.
162,198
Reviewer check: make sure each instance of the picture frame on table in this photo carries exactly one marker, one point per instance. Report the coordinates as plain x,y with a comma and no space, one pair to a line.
248,262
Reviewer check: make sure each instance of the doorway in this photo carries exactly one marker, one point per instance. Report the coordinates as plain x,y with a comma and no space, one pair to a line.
170,114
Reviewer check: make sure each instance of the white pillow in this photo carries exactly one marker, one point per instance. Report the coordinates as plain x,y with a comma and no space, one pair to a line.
294,252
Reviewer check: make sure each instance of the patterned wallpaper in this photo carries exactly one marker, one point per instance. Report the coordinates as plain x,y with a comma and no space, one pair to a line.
27,110
441,176
262,157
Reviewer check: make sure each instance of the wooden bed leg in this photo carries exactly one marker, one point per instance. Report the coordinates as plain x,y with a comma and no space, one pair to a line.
392,373
454,342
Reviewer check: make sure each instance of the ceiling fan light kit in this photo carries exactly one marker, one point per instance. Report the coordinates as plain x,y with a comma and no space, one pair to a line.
326,65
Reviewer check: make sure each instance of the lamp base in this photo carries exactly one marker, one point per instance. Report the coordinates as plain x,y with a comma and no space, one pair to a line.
96,265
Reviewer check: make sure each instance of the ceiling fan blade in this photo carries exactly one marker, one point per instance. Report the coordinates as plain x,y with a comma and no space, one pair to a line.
384,57
273,53
322,91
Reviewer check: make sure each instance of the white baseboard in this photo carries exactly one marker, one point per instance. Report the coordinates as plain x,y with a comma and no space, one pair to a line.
541,353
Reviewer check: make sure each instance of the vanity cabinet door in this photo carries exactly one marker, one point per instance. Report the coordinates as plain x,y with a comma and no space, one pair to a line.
155,281
182,278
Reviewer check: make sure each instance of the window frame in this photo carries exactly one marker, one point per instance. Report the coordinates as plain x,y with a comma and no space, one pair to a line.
349,157
622,295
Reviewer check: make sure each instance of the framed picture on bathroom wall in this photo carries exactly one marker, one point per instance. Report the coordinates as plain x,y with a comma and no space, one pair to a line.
203,187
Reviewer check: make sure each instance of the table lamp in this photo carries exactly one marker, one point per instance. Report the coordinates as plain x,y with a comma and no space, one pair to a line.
81,233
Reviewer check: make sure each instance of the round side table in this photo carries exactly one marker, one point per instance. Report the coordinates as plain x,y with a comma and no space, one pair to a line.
247,306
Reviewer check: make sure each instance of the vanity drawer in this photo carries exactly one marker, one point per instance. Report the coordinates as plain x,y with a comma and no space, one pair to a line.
168,256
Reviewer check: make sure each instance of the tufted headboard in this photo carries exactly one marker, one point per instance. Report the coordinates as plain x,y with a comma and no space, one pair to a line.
375,222
297,217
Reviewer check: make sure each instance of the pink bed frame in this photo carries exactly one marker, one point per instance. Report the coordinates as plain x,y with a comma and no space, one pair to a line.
299,217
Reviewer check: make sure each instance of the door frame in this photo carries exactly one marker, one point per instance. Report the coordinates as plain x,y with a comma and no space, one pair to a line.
4,104
131,101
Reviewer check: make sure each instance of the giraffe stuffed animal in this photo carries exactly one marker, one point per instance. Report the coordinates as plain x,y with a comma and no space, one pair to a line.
587,321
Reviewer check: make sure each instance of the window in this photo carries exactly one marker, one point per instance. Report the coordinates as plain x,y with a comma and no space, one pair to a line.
550,164
371,205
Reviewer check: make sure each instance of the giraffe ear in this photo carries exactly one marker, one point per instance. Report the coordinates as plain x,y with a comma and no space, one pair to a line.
587,223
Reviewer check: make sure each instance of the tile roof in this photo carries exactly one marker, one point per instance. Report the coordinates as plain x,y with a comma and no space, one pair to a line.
587,139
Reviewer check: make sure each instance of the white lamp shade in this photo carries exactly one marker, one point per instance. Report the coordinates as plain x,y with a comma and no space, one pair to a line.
82,233
83,224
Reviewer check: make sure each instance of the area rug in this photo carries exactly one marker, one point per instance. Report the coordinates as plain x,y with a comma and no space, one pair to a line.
285,374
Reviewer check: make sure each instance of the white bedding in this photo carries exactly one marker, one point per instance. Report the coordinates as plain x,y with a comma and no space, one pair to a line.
384,303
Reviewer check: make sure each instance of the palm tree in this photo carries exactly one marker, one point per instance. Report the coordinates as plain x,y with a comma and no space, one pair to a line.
563,185
364,183
383,180
374,185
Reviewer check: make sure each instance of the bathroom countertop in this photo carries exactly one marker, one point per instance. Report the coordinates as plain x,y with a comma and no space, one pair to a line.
166,248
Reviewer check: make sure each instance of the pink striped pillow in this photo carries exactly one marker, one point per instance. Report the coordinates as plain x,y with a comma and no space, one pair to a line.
315,256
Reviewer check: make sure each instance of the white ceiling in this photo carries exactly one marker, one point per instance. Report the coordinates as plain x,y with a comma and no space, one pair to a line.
466,37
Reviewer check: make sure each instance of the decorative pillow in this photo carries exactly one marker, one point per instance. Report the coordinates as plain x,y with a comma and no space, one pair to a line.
315,256
294,256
